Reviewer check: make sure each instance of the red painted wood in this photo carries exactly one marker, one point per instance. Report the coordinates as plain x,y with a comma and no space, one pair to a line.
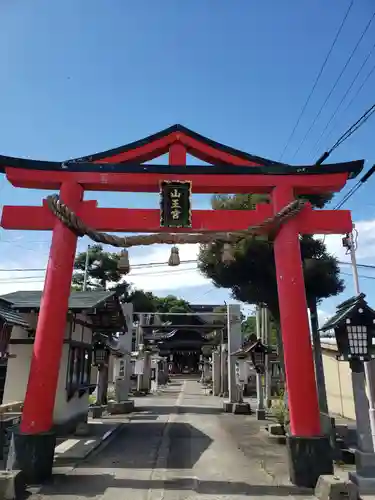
177,154
144,153
299,366
148,220
39,404
160,146
324,221
146,182
210,154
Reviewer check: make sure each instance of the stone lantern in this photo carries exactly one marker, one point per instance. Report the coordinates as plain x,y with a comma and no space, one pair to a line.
354,328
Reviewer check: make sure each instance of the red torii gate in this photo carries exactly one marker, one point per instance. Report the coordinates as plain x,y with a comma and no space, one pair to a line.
231,171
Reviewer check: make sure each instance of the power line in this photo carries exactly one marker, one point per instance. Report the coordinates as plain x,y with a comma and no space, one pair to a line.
355,188
367,266
40,279
317,79
360,276
135,266
360,88
348,133
345,96
334,85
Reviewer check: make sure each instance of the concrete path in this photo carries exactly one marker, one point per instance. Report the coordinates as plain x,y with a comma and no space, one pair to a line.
177,446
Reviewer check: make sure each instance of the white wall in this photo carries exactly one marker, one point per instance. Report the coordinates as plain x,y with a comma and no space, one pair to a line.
338,383
19,366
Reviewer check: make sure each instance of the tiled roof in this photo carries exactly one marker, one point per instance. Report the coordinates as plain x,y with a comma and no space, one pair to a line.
78,300
10,316
344,309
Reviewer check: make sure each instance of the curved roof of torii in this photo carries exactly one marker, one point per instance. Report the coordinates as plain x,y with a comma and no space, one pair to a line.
158,144
177,128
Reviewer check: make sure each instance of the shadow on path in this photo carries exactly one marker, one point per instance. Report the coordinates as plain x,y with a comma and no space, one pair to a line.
139,445
90,486
181,410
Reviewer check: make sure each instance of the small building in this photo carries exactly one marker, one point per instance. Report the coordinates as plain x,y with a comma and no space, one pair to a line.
8,319
89,313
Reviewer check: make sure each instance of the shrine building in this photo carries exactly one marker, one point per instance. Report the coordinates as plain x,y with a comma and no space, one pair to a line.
89,313
182,338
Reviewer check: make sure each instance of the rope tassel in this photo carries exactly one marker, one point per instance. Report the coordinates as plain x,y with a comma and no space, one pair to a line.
174,259
123,264
227,255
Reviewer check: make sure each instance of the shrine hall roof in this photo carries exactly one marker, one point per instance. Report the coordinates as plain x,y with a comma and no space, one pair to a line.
114,160
26,300
10,316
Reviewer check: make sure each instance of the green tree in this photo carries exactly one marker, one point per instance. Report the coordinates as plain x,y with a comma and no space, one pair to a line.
252,275
101,272
173,304
142,301
249,328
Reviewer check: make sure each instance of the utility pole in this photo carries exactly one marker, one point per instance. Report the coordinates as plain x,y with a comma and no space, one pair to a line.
260,411
319,369
351,244
86,272
267,364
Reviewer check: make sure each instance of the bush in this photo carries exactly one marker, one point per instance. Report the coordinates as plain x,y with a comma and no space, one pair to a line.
280,411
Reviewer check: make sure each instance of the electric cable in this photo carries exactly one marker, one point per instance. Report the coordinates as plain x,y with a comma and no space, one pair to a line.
367,266
39,279
334,85
360,276
135,266
317,79
357,93
348,133
337,109
355,188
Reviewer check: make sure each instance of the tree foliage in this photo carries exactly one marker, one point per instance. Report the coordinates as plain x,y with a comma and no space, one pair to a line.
249,328
102,269
102,273
252,275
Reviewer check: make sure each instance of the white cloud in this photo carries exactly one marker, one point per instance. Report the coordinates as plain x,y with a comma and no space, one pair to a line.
12,281
166,277
365,242
323,316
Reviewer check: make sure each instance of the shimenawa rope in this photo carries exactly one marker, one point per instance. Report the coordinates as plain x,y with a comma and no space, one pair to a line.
75,224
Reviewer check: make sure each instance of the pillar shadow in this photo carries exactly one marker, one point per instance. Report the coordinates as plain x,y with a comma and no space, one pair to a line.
141,445
181,410
94,485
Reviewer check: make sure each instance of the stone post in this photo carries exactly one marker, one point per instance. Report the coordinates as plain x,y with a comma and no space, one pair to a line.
260,411
122,380
224,370
234,344
216,373
364,476
267,367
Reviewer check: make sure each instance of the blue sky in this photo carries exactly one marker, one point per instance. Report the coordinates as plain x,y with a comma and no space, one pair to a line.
83,76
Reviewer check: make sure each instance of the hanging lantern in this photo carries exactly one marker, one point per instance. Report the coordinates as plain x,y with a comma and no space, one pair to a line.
258,352
227,255
123,264
174,259
100,354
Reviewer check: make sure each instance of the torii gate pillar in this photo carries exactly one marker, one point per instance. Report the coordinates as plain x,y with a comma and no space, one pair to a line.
309,451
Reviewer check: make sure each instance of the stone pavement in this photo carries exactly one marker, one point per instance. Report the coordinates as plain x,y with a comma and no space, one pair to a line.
179,446
72,449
